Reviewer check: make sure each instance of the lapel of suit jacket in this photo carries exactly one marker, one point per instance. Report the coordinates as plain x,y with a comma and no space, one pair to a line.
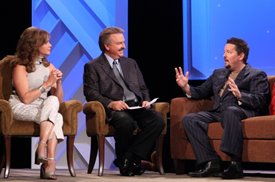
238,79
222,80
124,69
242,75
108,69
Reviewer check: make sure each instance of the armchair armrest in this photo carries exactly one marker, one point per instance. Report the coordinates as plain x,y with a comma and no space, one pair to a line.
6,117
69,110
181,106
95,118
163,109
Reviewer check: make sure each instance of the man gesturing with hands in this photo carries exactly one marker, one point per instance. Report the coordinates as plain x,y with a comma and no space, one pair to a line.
238,91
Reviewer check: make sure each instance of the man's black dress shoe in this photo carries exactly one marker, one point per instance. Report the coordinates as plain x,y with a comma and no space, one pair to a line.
211,168
127,168
137,168
234,171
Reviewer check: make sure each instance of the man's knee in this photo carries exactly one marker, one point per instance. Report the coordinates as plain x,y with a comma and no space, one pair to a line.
52,101
233,112
122,121
187,120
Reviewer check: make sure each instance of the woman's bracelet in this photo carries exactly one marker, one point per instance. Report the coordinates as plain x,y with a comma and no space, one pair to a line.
42,89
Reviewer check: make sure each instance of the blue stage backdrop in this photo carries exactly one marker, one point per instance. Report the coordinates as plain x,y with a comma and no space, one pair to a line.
209,23
74,27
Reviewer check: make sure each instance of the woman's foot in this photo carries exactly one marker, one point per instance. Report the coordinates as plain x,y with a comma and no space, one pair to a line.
40,154
47,170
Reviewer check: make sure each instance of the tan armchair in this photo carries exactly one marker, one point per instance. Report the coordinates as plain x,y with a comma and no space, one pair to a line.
97,128
258,132
10,127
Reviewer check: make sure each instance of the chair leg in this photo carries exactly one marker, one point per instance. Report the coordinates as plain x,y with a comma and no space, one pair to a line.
7,155
3,157
2,163
160,153
101,143
179,166
93,154
70,149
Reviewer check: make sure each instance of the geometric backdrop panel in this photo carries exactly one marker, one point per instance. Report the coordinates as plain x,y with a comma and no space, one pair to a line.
205,33
74,27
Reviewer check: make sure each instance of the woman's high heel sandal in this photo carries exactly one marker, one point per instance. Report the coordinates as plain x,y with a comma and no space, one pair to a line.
42,171
40,157
47,174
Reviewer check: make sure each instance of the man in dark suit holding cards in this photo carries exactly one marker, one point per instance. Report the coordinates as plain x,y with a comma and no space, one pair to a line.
117,82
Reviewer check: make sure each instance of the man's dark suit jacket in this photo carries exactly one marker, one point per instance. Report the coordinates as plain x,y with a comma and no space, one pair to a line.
252,83
100,83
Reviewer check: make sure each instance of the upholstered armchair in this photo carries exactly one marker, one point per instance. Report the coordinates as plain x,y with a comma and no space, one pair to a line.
97,128
10,127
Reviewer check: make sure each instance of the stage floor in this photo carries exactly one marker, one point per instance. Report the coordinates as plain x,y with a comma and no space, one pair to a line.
20,175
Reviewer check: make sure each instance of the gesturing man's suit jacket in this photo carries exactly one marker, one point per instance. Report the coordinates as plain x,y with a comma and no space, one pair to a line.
252,84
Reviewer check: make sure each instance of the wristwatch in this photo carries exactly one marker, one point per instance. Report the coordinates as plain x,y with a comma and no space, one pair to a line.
42,89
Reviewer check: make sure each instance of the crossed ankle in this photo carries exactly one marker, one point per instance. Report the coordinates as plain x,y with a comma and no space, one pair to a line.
41,142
